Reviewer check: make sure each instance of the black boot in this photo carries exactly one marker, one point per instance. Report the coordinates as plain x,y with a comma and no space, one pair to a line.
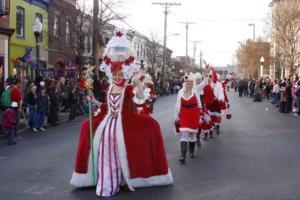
183,151
205,136
198,138
192,149
211,134
218,129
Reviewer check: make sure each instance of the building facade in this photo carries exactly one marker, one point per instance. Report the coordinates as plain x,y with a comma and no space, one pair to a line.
23,44
5,34
61,34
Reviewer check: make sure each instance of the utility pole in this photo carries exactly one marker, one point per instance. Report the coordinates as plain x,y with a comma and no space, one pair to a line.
186,39
201,60
253,25
195,47
166,12
95,34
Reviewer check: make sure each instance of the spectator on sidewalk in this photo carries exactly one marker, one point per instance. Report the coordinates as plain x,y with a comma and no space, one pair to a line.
6,95
283,98
289,100
251,87
276,94
54,104
9,122
297,93
16,97
63,91
41,109
31,103
73,103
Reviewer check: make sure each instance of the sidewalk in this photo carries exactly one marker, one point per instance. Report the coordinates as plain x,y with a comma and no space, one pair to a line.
63,117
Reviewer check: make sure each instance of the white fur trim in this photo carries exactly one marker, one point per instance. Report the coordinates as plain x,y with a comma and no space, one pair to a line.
188,130
121,145
217,114
81,180
153,180
218,91
138,101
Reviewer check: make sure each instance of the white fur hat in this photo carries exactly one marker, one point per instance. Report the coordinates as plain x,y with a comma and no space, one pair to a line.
189,77
197,75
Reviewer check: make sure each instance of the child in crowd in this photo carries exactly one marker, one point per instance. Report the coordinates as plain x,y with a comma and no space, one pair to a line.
9,122
41,110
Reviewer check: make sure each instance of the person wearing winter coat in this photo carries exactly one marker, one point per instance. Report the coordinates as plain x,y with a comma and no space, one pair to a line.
9,122
41,110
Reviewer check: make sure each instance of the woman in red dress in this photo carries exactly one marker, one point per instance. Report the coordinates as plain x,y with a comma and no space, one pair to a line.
128,148
187,115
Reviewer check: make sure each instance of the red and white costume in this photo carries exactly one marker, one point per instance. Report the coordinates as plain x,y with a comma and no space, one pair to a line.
142,106
225,103
187,113
206,122
127,147
153,93
213,97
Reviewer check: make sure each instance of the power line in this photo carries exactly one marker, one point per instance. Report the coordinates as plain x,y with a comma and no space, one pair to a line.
120,17
166,5
186,38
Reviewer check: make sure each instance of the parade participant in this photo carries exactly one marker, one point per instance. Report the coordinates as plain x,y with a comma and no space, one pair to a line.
225,103
213,96
199,90
153,94
142,106
206,123
187,115
128,147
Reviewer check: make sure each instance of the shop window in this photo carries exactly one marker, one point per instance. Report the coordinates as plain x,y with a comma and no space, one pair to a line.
20,19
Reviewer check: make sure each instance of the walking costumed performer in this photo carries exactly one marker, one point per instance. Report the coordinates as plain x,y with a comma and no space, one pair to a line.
206,123
213,98
187,115
127,148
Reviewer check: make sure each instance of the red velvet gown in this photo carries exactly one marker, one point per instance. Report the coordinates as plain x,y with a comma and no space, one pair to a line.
137,148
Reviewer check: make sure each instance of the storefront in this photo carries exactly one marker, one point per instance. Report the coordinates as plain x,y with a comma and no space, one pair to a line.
5,34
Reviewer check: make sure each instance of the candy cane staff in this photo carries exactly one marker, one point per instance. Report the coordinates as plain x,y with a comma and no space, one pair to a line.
187,115
128,148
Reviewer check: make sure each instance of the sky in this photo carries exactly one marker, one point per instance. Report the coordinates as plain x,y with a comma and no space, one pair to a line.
219,24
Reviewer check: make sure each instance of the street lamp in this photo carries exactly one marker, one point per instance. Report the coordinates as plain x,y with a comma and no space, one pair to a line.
253,30
37,28
262,60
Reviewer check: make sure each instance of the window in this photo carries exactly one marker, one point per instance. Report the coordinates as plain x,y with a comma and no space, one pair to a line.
40,17
20,22
56,25
68,34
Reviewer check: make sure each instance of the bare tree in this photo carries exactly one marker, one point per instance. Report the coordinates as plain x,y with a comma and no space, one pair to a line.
100,21
248,56
153,47
73,29
286,31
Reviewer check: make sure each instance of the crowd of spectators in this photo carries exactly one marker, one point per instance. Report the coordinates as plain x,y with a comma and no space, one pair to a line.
284,94
40,102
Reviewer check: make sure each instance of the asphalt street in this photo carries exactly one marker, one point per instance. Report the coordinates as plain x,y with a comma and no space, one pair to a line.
255,157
